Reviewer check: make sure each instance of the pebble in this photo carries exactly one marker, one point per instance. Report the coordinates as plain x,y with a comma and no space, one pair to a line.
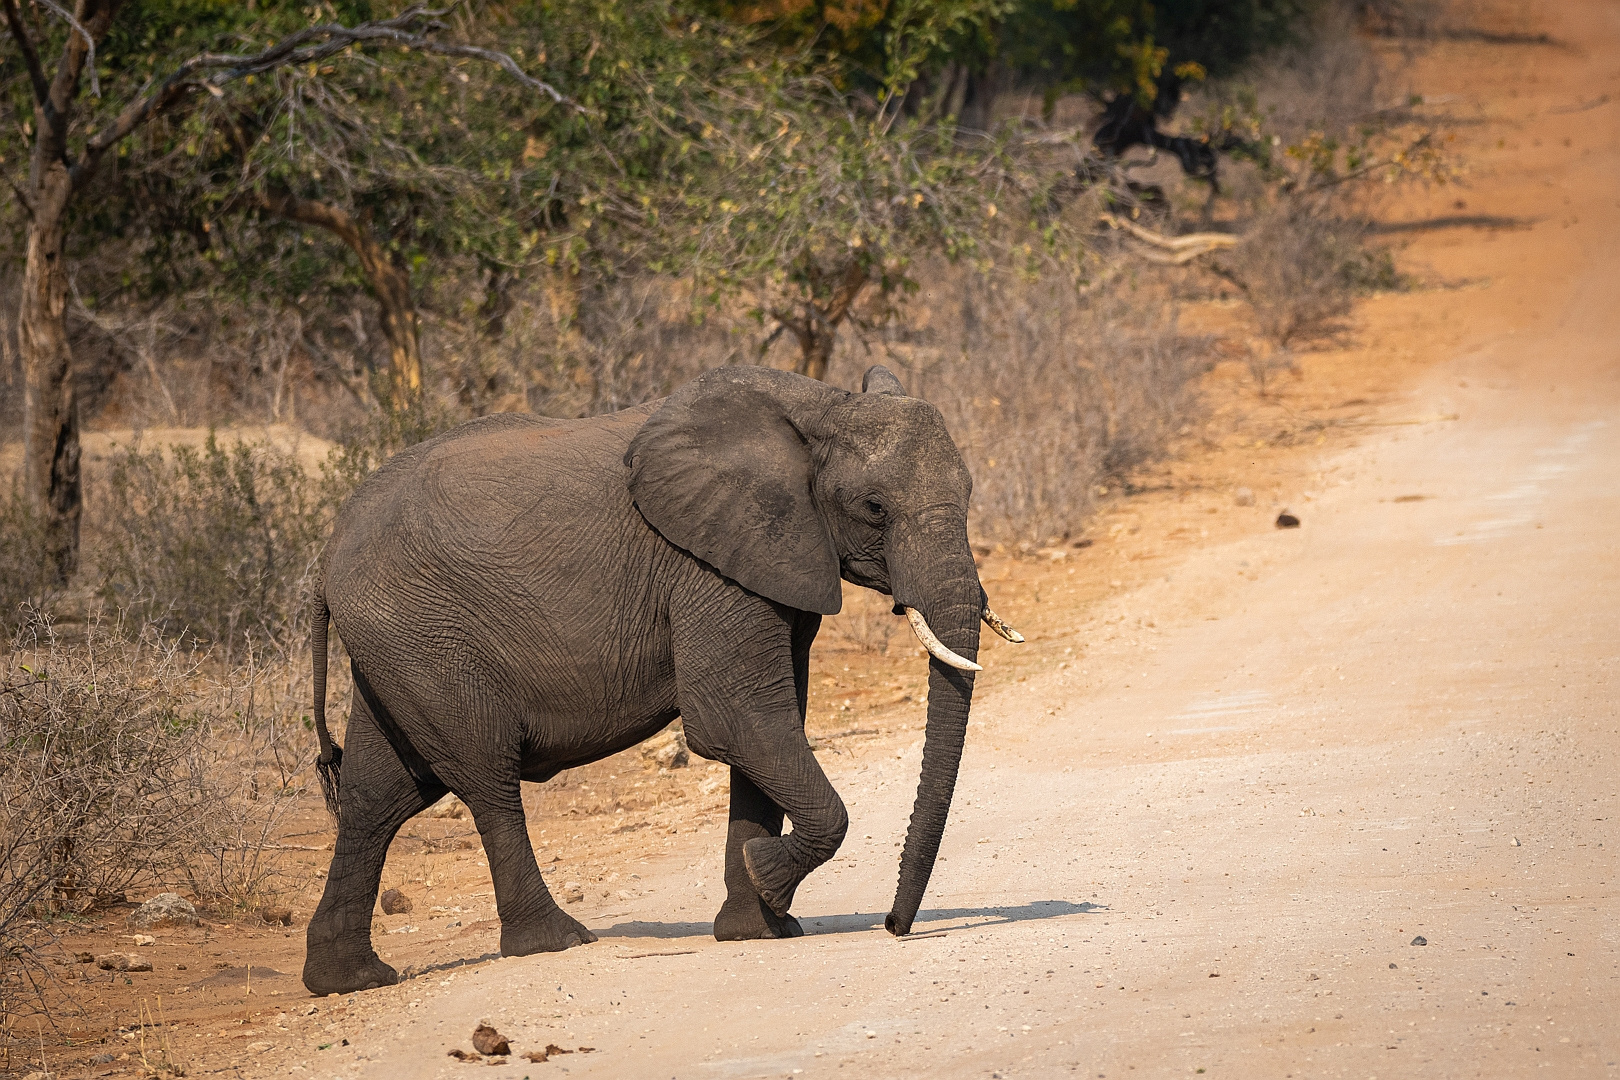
395,902
118,961
486,1040
448,807
1420,940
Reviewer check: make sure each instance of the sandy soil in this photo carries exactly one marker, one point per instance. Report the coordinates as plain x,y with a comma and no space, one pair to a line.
1208,810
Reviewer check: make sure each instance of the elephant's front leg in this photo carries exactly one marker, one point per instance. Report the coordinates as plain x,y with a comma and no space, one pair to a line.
744,916
742,705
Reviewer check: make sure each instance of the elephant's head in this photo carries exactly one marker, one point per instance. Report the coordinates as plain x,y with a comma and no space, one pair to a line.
785,484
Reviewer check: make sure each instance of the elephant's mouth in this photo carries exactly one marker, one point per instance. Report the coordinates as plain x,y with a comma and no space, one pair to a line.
868,574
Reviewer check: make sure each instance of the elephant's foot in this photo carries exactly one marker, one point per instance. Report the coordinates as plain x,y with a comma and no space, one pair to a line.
325,973
550,933
772,872
746,918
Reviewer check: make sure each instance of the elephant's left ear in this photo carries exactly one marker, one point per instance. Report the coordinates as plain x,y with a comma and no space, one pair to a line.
723,472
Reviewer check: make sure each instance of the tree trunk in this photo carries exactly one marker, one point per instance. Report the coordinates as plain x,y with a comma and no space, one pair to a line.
497,303
389,282
817,351
817,331
51,406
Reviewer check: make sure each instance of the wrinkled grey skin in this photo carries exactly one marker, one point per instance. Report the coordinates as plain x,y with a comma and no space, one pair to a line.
525,595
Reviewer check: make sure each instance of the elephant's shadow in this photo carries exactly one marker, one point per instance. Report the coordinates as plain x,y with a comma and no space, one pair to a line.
932,922
859,922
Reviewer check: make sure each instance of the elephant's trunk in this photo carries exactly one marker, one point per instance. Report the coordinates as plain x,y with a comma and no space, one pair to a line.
954,618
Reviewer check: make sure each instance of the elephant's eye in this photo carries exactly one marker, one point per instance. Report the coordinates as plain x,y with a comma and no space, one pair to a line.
874,508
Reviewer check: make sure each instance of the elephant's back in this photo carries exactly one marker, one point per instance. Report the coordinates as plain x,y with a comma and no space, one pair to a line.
478,510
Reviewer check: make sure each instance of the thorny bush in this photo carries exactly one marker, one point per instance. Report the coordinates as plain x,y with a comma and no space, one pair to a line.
218,545
25,582
1049,390
131,766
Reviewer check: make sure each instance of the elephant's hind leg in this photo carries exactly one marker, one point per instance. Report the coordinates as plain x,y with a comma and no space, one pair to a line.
378,794
531,921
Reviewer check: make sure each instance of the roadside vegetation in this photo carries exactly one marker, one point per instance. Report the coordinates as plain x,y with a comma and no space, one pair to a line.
367,223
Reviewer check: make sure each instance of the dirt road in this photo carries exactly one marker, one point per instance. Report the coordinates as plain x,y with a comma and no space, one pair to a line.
1211,840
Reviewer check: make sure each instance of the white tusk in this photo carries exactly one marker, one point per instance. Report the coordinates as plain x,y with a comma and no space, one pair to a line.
993,621
936,648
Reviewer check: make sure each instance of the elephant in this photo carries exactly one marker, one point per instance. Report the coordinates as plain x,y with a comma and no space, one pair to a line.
523,595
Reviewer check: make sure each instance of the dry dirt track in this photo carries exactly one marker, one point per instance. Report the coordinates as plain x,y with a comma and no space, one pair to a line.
1205,846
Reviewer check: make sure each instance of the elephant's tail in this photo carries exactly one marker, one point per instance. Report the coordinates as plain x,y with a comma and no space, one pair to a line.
328,765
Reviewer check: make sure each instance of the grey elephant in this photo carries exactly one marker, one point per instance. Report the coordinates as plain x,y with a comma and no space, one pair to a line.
524,595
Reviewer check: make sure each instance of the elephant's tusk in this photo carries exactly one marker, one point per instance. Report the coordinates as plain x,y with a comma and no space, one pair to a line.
993,621
936,647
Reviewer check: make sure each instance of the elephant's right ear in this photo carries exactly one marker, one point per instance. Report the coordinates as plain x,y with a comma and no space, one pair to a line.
880,380
722,471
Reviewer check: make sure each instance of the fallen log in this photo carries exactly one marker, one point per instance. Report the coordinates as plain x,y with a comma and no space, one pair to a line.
1176,250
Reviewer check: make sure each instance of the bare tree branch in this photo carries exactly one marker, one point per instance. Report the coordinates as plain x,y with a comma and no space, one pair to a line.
409,30
89,42
19,31
22,196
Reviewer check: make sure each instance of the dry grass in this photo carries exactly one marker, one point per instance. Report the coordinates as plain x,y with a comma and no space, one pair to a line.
133,765
867,624
1048,390
26,585
217,545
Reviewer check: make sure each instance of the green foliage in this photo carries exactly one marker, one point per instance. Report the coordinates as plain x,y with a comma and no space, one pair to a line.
781,187
863,38
699,148
1148,49
147,41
